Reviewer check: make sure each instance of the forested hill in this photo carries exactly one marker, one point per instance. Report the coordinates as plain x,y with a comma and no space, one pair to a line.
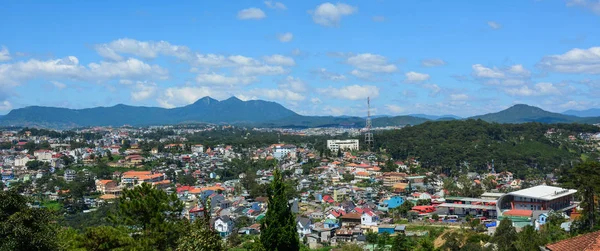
450,145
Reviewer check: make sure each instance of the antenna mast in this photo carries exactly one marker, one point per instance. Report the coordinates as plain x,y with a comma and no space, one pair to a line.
368,133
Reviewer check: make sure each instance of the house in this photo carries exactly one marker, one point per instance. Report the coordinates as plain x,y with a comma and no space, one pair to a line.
108,186
303,226
351,219
43,155
223,225
390,229
586,242
198,148
22,161
70,175
369,218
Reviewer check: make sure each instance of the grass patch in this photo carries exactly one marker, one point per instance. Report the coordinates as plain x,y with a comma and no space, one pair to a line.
52,205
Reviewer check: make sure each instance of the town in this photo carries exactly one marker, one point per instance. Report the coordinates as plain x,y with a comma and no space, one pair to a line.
341,193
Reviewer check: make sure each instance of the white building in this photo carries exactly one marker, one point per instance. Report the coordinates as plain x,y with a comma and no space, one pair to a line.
43,155
198,148
281,152
369,219
22,161
346,144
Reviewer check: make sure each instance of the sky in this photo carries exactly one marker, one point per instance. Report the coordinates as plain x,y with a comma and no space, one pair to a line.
317,58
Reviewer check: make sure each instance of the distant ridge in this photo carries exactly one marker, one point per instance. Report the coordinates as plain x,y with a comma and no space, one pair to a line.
253,113
594,112
525,113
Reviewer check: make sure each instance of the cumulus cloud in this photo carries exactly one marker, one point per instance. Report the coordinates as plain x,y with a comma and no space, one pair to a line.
218,79
324,74
260,70
584,61
278,59
275,5
4,54
316,101
185,95
362,75
251,13
143,91
494,25
395,108
459,97
351,92
328,14
509,76
432,62
5,105
143,49
539,89
592,5
371,62
285,37
69,68
280,94
434,89
293,84
415,77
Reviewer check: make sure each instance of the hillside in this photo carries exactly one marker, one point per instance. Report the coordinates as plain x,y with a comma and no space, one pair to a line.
594,112
525,113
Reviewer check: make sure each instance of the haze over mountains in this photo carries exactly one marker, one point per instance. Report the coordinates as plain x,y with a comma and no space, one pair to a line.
252,113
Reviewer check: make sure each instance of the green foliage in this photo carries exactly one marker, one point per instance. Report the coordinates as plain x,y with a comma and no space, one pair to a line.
107,238
529,239
278,231
152,214
25,228
200,237
585,177
401,243
186,180
505,236
450,146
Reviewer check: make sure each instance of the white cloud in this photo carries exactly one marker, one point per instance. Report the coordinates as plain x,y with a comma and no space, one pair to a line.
278,59
434,89
328,14
251,13
432,62
279,94
361,74
494,25
584,61
185,95
5,105
378,19
324,74
592,5
144,49
285,37
69,68
58,85
242,60
539,89
4,54
395,108
519,70
260,70
143,91
316,101
371,62
293,84
459,97
351,92
481,71
275,5
415,77
217,79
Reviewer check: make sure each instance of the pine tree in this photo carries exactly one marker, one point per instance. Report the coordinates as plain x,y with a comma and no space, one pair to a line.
278,230
505,236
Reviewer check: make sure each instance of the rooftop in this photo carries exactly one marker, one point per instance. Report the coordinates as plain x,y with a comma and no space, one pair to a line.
543,192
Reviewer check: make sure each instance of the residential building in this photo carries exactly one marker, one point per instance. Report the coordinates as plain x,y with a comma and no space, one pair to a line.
369,218
108,187
198,148
70,175
335,145
391,178
134,178
43,155
223,225
281,152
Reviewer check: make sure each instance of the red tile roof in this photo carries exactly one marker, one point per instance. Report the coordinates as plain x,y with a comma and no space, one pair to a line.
586,242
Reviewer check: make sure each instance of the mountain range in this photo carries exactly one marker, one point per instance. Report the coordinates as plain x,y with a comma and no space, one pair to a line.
257,113
594,112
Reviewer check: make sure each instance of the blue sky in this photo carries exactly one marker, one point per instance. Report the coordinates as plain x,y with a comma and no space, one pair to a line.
314,57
